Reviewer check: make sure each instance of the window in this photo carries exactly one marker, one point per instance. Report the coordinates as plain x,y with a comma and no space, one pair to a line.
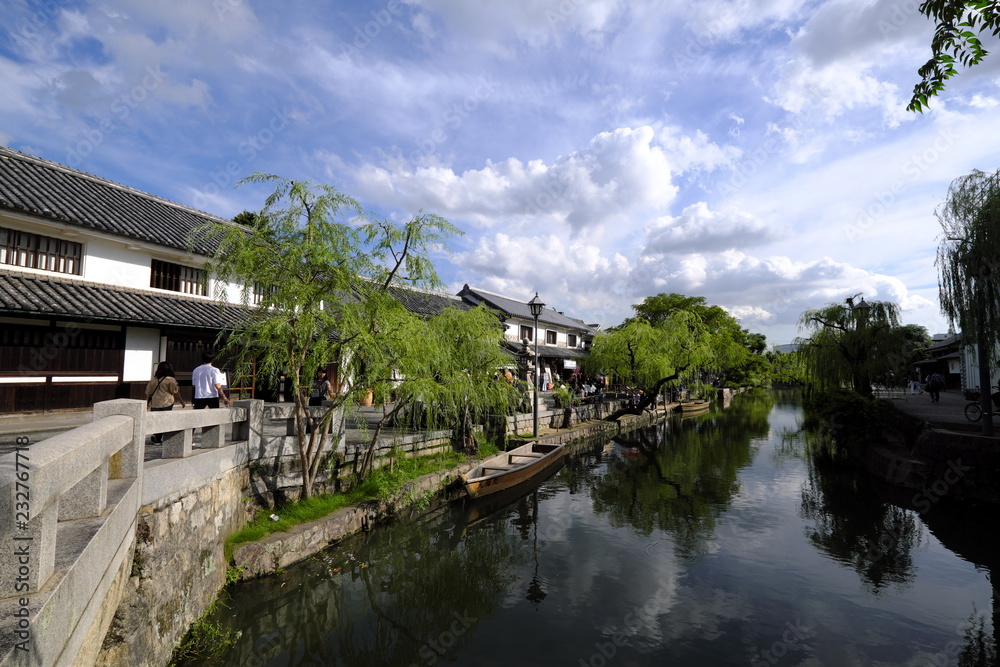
34,251
550,337
259,292
177,278
527,332
572,340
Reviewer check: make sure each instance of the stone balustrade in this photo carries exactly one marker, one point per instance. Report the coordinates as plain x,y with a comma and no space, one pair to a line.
68,516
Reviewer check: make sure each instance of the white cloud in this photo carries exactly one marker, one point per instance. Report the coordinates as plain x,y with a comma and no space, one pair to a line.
619,173
699,229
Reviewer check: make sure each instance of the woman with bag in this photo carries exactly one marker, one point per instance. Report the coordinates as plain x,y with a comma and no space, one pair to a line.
162,392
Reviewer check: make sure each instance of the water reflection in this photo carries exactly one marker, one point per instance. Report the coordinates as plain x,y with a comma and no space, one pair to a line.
725,539
853,524
679,476
415,597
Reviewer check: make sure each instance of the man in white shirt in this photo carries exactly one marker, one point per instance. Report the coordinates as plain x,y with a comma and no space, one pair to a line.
207,381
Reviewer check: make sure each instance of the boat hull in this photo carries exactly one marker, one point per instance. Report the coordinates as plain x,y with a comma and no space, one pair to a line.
695,407
512,468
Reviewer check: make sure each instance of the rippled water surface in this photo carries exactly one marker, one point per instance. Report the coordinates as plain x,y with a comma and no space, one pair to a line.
725,539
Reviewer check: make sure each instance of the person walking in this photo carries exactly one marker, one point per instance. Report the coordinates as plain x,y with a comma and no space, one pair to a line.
163,392
207,381
935,383
915,386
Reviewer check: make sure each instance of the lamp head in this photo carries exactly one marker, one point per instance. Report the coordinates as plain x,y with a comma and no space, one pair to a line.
536,306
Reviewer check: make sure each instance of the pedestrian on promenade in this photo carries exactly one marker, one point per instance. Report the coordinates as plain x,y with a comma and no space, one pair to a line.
207,381
162,392
935,383
915,386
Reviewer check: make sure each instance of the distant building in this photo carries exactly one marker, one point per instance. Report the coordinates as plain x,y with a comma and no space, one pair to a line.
562,340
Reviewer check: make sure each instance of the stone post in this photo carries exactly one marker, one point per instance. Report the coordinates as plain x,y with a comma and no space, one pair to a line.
252,427
128,462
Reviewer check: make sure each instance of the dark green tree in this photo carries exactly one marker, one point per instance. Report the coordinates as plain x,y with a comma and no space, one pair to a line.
852,344
314,274
959,25
969,289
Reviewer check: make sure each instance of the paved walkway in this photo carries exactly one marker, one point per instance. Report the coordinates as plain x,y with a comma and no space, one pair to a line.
948,413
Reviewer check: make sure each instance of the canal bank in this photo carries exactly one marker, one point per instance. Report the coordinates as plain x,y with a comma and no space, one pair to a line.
280,550
933,450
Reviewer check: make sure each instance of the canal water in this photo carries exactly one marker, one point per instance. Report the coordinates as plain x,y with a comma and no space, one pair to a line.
734,538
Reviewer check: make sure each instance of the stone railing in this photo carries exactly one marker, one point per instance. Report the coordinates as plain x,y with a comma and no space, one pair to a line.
68,517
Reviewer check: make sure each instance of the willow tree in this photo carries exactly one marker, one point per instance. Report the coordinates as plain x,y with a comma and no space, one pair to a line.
851,344
969,290
452,380
648,356
315,273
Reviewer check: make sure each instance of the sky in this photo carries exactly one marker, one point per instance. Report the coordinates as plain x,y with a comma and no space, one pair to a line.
756,153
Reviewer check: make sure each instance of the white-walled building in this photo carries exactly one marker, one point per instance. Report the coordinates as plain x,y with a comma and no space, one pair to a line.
97,285
562,341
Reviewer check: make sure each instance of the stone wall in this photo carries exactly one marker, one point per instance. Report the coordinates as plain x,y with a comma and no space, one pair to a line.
177,570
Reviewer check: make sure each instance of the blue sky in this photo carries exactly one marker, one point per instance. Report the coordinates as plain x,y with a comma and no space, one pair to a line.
757,153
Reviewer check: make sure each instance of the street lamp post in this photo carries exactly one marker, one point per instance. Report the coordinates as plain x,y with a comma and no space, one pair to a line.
536,306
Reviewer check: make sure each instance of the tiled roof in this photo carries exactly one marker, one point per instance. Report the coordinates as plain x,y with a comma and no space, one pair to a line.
23,294
513,308
49,190
424,302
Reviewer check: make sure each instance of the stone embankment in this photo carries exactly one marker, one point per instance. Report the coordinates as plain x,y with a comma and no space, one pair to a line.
279,550
934,451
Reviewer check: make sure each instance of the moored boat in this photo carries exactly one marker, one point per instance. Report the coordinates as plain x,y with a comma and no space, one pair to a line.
509,469
694,407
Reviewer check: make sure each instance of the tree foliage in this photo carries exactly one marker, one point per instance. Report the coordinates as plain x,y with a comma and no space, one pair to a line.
959,26
320,271
969,289
675,337
452,380
852,344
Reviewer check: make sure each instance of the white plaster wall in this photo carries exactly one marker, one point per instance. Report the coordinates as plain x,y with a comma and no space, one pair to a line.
142,351
232,290
111,263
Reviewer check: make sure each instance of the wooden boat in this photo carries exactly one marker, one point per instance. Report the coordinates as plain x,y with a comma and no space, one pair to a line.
509,469
694,407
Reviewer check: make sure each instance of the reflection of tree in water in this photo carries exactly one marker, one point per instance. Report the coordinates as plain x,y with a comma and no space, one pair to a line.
852,523
973,532
678,476
407,595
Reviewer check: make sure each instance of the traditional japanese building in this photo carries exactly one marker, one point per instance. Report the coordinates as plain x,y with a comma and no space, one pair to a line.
562,340
98,282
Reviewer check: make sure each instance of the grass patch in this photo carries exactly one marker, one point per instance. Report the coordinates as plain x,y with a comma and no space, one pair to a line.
382,484
206,640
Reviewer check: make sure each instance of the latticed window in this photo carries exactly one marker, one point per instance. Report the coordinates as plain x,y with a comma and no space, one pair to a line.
177,278
34,251
527,332
572,340
550,337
